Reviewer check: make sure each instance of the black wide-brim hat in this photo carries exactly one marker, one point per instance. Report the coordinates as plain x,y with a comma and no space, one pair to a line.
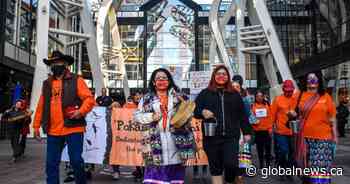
58,56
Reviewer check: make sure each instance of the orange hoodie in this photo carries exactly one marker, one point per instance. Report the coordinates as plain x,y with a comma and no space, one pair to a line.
279,108
56,124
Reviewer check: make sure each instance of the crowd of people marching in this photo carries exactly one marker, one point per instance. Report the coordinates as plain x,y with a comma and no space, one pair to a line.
301,126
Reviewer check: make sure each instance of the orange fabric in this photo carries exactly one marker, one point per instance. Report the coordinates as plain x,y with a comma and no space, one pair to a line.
164,109
130,105
318,125
279,108
56,124
126,138
264,123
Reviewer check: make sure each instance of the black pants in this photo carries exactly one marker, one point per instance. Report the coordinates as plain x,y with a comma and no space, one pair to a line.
263,145
23,143
341,128
222,156
18,141
115,168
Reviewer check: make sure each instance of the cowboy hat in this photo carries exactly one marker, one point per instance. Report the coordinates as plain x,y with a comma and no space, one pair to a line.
58,56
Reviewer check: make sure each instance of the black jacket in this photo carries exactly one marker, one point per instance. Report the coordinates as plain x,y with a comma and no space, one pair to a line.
342,113
234,114
15,119
104,101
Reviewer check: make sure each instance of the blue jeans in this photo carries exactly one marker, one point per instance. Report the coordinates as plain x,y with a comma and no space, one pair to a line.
284,148
55,145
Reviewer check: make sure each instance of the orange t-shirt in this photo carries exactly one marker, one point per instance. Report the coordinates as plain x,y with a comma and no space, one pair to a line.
130,105
318,124
56,124
279,108
264,122
164,109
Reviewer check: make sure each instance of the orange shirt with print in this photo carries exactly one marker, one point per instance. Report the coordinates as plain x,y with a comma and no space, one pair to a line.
130,105
264,123
318,124
56,125
279,109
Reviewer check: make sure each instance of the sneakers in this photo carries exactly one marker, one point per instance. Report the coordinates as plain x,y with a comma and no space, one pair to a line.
137,174
88,175
107,171
14,159
68,179
116,175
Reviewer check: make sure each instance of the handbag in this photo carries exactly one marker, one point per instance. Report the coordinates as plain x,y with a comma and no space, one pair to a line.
294,122
245,156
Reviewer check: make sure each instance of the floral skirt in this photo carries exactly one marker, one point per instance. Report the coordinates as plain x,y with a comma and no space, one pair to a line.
320,156
170,174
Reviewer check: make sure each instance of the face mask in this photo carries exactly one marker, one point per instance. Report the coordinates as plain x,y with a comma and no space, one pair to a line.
221,80
288,93
58,70
162,84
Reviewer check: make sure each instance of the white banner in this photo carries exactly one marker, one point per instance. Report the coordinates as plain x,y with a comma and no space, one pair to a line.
199,80
95,137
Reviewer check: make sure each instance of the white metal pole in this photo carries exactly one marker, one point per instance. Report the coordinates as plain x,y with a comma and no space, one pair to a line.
272,37
91,45
214,25
69,33
41,70
240,15
223,22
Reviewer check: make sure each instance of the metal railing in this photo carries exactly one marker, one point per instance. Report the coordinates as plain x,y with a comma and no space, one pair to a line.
19,54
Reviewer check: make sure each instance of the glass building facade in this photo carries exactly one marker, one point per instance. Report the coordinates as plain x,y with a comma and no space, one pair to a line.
311,33
19,23
173,34
17,59
171,39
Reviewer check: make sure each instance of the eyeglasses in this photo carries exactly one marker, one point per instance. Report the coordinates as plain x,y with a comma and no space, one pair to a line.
312,81
161,78
221,73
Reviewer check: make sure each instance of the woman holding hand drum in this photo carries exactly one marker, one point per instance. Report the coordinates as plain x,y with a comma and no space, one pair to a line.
167,146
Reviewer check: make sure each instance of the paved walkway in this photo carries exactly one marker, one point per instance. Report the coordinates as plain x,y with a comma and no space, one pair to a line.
30,170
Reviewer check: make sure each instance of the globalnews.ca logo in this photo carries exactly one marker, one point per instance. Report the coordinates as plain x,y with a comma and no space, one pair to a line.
294,171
